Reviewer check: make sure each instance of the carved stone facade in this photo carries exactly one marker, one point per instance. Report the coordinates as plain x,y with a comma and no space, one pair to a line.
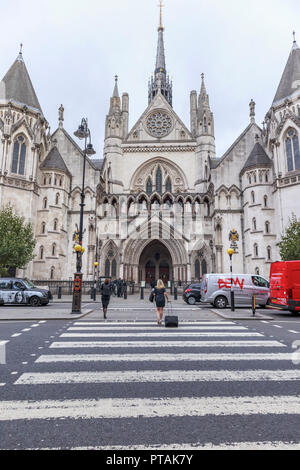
159,203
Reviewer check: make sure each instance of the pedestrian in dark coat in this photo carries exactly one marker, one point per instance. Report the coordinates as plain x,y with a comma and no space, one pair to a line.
105,296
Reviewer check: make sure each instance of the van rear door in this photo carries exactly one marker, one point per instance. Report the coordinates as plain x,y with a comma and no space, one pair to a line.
278,285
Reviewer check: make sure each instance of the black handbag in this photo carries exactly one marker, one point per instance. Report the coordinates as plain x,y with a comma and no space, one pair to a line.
151,296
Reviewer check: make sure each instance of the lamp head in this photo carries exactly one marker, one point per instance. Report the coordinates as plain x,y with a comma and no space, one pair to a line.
82,131
230,251
90,150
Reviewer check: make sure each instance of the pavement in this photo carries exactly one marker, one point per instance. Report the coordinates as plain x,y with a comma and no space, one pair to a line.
131,309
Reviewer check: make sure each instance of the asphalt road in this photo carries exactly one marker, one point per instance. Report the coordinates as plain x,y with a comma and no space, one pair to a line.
93,385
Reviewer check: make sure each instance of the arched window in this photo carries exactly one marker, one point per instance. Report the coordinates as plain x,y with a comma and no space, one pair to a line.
204,267
267,226
197,269
52,273
19,156
45,180
254,223
169,185
219,235
207,207
257,271
43,231
149,187
168,203
269,253
54,249
158,180
292,150
107,268
265,201
252,197
249,177
255,249
180,206
45,203
41,252
114,268
254,176
57,199
55,225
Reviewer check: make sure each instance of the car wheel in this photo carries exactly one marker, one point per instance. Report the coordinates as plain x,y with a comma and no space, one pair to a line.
35,301
191,300
220,302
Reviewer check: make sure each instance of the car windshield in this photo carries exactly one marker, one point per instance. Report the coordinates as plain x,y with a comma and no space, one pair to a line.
28,284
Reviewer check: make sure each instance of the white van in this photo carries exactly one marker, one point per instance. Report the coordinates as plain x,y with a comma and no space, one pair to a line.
215,289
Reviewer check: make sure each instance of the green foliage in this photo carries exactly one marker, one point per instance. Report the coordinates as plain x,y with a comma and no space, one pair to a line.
290,243
16,241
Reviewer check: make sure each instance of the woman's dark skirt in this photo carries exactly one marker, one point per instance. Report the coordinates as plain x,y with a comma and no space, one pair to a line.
105,300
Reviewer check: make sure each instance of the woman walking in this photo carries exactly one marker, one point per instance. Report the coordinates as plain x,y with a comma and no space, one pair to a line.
160,296
105,296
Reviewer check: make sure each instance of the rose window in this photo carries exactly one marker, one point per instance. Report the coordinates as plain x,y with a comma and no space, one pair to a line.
159,124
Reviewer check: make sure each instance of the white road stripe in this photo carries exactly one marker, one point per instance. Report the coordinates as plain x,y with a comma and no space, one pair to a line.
15,335
138,323
157,334
135,376
158,357
293,331
166,344
263,445
137,328
148,408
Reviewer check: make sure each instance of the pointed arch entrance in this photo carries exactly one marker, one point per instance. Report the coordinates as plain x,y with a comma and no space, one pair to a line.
155,263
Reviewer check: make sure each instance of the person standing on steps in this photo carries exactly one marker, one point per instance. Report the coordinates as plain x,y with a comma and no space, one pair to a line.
105,296
160,296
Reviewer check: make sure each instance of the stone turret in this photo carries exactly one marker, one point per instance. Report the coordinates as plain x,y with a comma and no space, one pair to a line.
202,128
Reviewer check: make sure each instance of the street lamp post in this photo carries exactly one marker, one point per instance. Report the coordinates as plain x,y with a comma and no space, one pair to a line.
96,264
230,251
83,132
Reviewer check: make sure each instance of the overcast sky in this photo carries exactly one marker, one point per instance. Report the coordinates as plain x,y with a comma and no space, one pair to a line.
74,48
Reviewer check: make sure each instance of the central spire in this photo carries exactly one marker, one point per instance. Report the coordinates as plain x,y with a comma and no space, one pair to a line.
160,82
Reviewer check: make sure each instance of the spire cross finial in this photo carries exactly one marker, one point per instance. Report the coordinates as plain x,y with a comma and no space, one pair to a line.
20,56
294,36
116,78
160,14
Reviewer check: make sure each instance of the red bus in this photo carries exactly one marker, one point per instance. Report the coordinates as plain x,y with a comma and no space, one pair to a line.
285,285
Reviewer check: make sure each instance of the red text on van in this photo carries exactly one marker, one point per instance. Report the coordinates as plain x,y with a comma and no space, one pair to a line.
227,283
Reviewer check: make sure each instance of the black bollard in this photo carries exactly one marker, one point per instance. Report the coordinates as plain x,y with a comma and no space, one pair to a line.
125,293
59,293
142,293
175,293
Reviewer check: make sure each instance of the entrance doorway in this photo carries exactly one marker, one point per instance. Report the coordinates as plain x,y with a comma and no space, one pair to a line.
155,263
150,272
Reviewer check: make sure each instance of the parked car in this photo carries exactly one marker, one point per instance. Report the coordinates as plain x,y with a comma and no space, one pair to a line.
285,285
215,289
22,291
192,294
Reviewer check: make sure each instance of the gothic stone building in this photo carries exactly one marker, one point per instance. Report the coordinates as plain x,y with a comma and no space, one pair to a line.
160,203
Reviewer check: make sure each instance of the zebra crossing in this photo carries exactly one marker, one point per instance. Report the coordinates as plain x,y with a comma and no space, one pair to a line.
137,385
